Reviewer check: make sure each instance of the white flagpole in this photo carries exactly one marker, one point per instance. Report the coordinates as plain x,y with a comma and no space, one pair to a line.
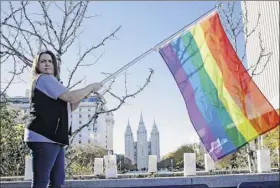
185,28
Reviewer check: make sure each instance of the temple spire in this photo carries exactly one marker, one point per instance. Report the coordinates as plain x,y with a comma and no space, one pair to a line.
154,129
141,118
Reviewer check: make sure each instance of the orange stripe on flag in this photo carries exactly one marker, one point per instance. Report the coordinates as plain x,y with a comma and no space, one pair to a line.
238,82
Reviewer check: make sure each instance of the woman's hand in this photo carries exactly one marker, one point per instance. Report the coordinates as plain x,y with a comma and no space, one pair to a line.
96,86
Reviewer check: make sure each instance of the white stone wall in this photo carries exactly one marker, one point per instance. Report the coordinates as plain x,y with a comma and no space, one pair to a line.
269,29
142,149
155,150
129,148
109,137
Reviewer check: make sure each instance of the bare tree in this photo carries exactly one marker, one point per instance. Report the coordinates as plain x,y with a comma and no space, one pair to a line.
24,33
6,54
29,27
235,24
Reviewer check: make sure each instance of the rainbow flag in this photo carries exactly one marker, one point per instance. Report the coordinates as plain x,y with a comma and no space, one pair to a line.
225,106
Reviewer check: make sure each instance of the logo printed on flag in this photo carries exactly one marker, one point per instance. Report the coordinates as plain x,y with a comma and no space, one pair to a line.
217,145
224,104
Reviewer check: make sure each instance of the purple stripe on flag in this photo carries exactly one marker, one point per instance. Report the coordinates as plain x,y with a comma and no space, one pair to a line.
188,93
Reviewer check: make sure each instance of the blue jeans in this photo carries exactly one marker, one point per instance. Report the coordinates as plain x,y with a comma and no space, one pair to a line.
47,164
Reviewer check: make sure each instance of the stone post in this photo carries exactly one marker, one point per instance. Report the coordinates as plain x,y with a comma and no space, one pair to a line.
189,164
209,163
98,166
263,160
28,172
110,166
152,163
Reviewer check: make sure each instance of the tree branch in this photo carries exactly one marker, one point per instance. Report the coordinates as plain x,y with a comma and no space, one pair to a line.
13,13
87,52
26,31
123,99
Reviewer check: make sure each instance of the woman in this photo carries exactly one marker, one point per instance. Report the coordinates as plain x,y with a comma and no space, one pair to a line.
47,131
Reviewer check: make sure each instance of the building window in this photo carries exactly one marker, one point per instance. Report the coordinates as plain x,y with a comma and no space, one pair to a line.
80,109
89,116
80,141
80,116
89,141
89,109
80,122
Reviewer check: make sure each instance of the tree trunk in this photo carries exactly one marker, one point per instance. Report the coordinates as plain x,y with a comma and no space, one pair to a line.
248,158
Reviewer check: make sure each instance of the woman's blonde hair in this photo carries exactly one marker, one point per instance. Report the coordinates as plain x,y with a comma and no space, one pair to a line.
35,73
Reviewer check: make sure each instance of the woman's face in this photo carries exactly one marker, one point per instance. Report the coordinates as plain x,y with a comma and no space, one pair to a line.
45,64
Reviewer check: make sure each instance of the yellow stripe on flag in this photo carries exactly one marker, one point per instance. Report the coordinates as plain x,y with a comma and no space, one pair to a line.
242,123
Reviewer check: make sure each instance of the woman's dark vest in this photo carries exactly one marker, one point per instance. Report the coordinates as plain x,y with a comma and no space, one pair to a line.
49,117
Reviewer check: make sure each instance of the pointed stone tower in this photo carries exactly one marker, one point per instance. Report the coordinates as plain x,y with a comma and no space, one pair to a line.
154,139
142,145
110,131
129,142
